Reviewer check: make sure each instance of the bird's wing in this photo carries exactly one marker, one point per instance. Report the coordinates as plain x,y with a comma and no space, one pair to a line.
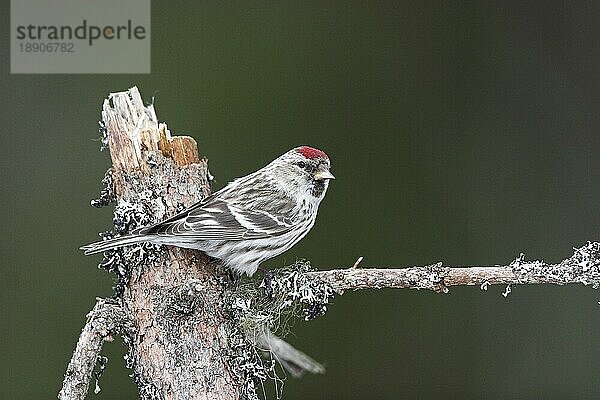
217,219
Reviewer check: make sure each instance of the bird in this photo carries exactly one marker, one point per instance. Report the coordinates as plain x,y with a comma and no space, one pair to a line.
252,219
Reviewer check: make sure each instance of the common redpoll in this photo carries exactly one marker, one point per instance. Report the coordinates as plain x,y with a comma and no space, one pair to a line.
252,219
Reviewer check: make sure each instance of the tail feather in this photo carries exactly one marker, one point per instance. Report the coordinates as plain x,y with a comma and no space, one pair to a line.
293,360
109,244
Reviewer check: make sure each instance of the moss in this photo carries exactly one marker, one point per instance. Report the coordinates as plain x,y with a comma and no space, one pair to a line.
270,305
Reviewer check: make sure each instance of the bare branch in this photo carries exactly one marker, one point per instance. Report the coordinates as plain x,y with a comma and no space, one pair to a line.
582,267
106,318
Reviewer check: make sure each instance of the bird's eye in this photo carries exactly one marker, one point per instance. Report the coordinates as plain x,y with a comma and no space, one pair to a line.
301,164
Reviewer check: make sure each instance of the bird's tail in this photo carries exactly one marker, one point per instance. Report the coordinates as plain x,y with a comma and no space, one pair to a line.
294,361
109,244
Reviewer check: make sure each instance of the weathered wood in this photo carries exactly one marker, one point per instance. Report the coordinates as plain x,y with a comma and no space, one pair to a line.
106,319
582,267
175,352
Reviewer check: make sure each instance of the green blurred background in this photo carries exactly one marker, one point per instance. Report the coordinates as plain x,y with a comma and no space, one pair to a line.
464,133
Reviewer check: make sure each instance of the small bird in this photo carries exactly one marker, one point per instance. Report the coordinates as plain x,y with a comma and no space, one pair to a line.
252,219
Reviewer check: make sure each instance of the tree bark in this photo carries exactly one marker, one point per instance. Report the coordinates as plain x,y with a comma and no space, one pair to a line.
106,319
583,267
172,296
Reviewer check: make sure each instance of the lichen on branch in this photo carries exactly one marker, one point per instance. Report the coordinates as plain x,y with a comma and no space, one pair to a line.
583,267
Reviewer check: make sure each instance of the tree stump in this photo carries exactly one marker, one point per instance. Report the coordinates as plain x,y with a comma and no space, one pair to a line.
178,341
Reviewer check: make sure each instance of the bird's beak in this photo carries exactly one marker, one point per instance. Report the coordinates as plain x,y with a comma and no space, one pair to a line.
323,174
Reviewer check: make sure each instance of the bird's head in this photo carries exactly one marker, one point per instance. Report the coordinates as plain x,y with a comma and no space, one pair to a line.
304,169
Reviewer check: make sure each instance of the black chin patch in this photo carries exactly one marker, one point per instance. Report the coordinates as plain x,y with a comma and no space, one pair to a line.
318,187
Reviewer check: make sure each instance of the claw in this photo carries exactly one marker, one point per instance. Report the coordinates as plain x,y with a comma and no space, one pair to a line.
266,283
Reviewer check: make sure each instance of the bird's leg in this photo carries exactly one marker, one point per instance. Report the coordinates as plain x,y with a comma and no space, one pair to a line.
266,282
233,277
226,276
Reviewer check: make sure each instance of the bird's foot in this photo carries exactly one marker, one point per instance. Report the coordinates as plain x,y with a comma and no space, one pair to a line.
267,283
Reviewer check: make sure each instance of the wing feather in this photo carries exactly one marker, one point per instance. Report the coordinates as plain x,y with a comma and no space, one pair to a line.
217,219
226,214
